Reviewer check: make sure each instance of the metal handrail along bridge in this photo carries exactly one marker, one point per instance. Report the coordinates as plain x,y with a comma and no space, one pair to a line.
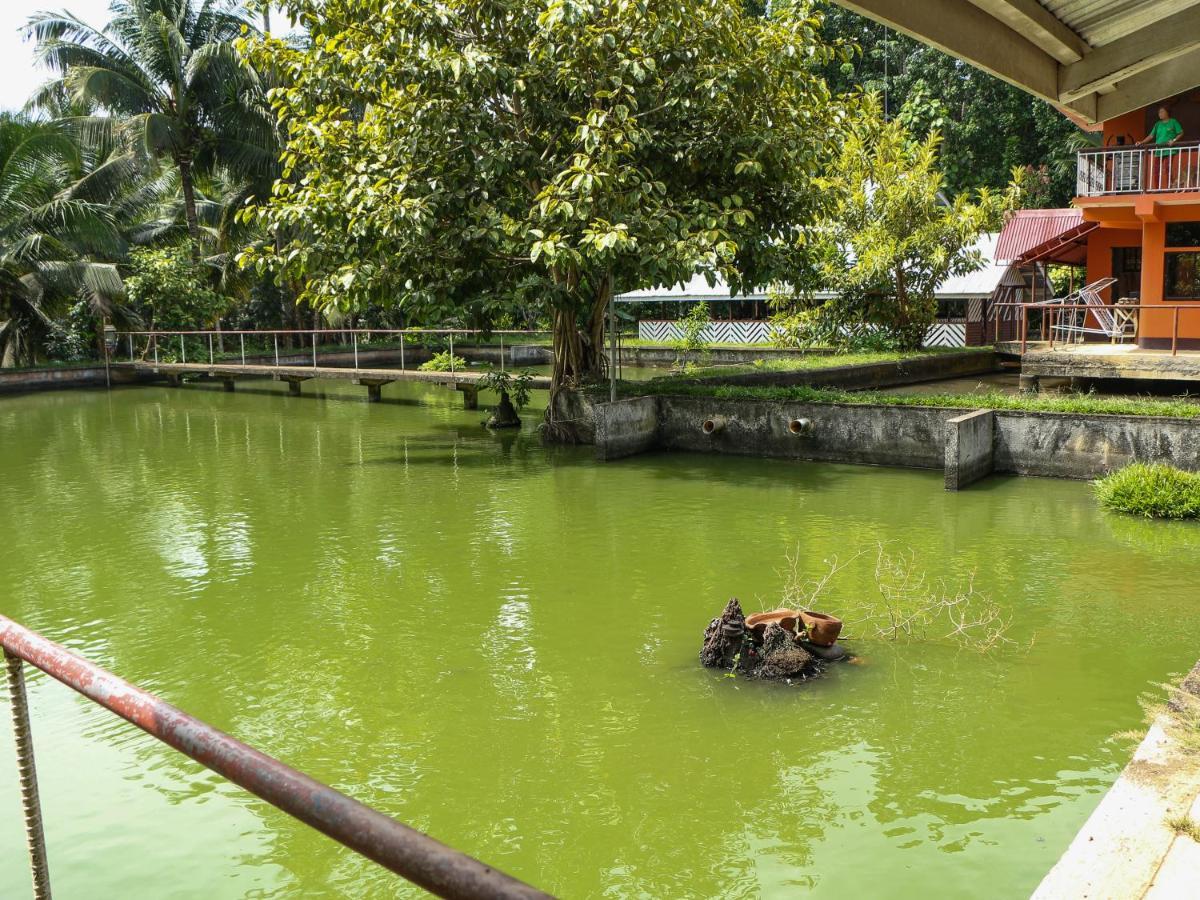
259,355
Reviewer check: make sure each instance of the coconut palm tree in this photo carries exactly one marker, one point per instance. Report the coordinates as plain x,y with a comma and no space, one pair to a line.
58,240
167,72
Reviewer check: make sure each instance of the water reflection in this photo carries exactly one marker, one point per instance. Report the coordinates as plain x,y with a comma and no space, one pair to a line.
496,642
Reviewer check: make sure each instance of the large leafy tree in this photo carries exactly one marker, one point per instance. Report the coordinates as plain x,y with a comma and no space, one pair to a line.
58,239
472,156
168,72
889,237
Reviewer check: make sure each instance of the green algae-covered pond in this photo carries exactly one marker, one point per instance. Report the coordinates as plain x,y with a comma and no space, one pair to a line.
497,642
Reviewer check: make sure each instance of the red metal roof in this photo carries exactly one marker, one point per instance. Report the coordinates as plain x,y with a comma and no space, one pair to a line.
1033,234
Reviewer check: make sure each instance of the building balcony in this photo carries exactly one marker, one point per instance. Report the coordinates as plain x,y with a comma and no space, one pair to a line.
1129,170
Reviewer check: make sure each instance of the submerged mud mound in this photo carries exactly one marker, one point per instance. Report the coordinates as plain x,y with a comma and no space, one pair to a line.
770,651
781,656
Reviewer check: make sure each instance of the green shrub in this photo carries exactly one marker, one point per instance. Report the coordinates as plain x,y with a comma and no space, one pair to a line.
443,362
1153,490
694,324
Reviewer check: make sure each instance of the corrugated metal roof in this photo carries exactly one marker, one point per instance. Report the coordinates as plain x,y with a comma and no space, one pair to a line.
695,290
980,283
1031,228
1101,22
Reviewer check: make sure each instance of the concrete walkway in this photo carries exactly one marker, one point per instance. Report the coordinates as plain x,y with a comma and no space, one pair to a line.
1126,850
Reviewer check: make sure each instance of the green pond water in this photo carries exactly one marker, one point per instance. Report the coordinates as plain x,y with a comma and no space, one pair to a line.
496,643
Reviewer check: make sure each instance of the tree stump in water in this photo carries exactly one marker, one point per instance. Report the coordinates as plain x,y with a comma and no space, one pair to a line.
729,645
781,656
724,637
505,414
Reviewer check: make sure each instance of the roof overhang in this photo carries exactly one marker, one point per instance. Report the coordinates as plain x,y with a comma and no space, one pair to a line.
1045,235
1097,59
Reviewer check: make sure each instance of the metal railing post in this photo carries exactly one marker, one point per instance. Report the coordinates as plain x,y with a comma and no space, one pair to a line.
452,353
502,353
1175,333
354,339
155,338
182,351
1024,327
275,335
412,854
131,358
314,340
242,340
402,351
210,350
31,804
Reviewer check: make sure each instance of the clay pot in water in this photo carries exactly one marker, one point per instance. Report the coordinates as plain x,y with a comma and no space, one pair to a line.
757,623
823,630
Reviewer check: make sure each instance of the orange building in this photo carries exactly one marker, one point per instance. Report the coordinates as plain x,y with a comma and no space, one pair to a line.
1136,219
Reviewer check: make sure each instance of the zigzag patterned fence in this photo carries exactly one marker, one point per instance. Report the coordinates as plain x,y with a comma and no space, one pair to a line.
751,331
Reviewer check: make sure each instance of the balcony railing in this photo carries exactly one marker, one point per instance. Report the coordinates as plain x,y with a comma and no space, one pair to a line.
1138,170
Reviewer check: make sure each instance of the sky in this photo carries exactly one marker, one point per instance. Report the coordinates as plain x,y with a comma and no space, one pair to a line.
18,73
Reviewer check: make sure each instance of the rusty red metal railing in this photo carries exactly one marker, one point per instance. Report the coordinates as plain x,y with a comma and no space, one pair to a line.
1052,315
416,856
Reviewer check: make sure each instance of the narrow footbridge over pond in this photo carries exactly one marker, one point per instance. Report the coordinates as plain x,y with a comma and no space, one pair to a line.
259,355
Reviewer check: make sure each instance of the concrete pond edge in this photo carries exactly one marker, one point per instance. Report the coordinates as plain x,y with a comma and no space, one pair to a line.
1126,849
966,444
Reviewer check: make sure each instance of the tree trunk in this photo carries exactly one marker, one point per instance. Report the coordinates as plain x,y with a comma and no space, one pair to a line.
911,333
579,352
189,203
505,414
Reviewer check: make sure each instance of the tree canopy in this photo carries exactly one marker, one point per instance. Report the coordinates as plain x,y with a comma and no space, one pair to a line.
888,238
988,127
462,157
167,72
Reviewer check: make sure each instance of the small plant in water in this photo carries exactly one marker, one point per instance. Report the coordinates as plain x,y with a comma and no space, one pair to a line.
1153,490
443,362
514,395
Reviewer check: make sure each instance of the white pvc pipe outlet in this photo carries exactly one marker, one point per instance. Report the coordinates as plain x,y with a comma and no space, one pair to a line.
799,426
712,425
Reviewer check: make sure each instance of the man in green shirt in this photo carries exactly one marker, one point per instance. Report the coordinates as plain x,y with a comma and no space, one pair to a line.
1166,131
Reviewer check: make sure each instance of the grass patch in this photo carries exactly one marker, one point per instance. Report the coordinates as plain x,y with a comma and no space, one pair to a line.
1153,490
801,361
1085,404
1186,826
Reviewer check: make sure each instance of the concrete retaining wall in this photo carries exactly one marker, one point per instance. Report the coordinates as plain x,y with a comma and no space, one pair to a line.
667,355
1081,446
862,376
626,427
868,376
966,444
875,435
970,441
16,381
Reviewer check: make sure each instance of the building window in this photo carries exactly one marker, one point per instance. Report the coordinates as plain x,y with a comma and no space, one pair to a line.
1183,276
1127,260
952,309
1183,234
